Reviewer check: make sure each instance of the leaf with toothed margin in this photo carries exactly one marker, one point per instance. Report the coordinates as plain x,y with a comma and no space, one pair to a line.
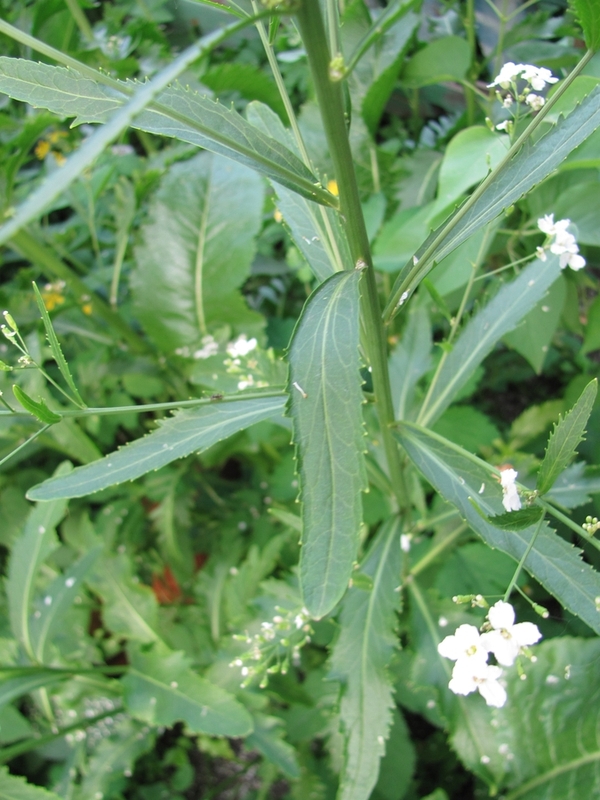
326,408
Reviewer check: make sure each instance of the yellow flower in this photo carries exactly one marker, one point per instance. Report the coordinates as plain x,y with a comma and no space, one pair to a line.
87,308
42,149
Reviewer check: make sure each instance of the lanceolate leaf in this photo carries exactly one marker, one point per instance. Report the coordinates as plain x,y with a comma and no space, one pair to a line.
38,409
564,439
534,162
588,14
14,787
459,477
29,552
13,687
185,433
161,689
196,251
501,315
177,112
325,404
359,660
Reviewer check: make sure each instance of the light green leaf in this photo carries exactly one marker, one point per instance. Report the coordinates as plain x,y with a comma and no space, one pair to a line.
247,80
196,249
574,487
325,405
55,347
517,520
458,477
267,738
178,436
565,438
410,360
177,112
445,59
14,687
58,598
588,14
129,608
38,409
14,787
316,230
29,552
482,332
470,155
533,162
161,689
360,659
398,764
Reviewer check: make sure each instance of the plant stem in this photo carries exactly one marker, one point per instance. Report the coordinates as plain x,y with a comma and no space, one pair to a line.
435,551
329,95
521,563
80,19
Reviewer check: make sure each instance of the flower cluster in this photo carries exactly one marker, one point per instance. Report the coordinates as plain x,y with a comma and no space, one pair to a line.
536,78
470,650
560,242
591,525
510,494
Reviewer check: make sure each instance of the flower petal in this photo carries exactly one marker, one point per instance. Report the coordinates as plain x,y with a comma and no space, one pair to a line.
501,615
526,633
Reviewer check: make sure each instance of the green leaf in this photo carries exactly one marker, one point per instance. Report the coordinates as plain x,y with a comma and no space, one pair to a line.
565,438
398,764
129,608
39,410
517,520
458,477
13,787
178,436
445,59
316,230
325,405
588,15
533,162
543,743
247,80
470,155
161,689
13,687
410,360
267,738
29,552
177,112
196,250
360,659
58,598
55,347
486,328
574,487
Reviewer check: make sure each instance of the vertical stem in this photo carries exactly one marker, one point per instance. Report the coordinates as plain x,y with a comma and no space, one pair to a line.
469,92
528,549
329,95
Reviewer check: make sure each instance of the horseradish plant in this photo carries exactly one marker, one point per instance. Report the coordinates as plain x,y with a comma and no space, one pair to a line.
358,415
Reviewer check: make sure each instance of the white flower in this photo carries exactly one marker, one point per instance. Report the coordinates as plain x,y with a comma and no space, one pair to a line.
506,75
405,540
209,348
508,101
565,246
503,126
241,347
535,101
510,500
473,674
465,644
506,639
538,77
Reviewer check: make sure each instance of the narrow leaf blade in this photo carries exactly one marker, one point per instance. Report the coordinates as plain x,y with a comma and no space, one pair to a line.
564,439
458,477
325,405
39,409
359,660
178,436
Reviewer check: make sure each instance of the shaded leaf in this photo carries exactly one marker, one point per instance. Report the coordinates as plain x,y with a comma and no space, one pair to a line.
267,738
197,247
38,409
588,15
325,405
359,660
247,80
565,438
180,435
445,59
14,787
458,476
517,520
574,487
13,687
410,360
161,689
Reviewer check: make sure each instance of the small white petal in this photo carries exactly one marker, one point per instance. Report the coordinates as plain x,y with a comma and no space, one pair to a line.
526,633
501,615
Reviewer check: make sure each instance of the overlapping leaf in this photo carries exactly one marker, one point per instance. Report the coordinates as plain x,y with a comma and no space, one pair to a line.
359,660
178,436
325,404
460,477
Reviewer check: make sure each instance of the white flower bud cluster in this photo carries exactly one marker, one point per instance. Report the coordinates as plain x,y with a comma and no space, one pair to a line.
560,242
470,650
591,525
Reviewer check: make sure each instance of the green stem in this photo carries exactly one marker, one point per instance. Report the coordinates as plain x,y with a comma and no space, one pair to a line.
329,95
471,38
36,252
521,563
422,267
80,19
24,444
435,551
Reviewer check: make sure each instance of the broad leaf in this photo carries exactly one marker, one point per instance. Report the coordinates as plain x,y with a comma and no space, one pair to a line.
588,14
459,477
565,438
161,689
325,405
177,112
196,250
445,59
185,433
574,487
14,787
485,329
511,180
360,659
29,552
267,738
